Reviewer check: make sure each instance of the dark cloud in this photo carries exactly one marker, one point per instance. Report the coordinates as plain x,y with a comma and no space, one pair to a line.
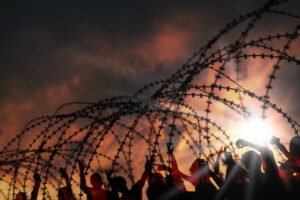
53,52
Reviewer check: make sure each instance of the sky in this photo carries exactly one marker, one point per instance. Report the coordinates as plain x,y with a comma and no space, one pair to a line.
53,52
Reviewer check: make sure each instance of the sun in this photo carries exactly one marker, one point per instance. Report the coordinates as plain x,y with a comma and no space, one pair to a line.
256,130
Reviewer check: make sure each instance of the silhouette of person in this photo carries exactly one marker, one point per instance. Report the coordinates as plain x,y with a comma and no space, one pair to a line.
200,177
65,193
157,186
262,185
290,170
118,184
21,196
235,182
174,178
35,191
96,192
293,155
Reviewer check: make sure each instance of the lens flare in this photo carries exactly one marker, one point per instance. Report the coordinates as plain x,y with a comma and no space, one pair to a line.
257,130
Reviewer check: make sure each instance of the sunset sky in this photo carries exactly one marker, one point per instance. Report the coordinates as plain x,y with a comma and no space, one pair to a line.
57,52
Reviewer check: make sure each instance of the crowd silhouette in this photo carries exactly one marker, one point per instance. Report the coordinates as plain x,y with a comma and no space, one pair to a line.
35,191
256,176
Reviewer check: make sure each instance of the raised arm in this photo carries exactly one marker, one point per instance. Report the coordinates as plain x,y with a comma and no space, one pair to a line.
113,194
267,156
214,174
176,170
65,176
147,171
219,181
281,147
174,165
37,183
240,143
83,185
216,165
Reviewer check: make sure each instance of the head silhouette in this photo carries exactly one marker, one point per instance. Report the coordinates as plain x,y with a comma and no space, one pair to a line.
295,146
20,196
156,178
96,180
119,183
252,161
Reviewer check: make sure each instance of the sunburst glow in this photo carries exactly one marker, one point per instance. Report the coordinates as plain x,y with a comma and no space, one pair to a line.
256,130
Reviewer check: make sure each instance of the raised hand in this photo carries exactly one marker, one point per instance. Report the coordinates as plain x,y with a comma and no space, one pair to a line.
81,165
35,190
63,173
37,177
275,140
170,148
240,143
228,155
149,163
